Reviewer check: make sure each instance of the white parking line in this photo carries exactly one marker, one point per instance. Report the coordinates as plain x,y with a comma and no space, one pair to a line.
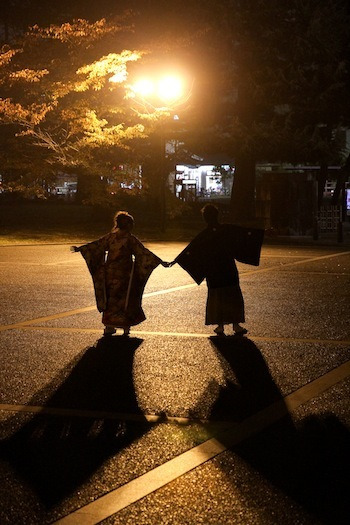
165,291
295,263
102,414
59,315
153,480
68,313
136,333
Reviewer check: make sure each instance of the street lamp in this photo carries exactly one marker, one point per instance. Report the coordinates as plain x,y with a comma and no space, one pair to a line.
161,94
168,89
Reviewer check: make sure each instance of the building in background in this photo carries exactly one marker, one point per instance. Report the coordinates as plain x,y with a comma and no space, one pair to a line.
203,178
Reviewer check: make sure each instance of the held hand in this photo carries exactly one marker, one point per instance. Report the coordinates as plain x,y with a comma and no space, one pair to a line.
168,264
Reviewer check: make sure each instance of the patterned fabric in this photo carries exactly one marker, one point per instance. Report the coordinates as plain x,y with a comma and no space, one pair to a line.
120,266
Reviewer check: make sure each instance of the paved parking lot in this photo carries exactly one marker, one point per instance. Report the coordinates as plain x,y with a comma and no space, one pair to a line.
174,425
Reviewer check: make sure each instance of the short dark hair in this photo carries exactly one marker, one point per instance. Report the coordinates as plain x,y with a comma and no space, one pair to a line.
122,219
210,213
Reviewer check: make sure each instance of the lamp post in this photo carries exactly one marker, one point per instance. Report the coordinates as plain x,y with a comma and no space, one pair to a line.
161,94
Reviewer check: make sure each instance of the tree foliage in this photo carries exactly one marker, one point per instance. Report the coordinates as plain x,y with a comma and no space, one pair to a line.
66,93
271,83
280,72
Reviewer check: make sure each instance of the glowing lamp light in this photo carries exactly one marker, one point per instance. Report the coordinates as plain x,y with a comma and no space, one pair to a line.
167,88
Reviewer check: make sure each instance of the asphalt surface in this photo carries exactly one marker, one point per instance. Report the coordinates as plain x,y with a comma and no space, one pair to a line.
174,425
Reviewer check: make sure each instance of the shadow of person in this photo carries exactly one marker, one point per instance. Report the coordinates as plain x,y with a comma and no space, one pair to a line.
253,387
55,455
309,462
307,459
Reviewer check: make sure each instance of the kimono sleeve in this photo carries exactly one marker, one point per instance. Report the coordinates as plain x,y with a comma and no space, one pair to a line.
245,243
193,259
94,255
145,261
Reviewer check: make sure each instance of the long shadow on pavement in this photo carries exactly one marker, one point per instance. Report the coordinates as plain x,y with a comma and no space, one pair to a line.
55,455
253,388
308,460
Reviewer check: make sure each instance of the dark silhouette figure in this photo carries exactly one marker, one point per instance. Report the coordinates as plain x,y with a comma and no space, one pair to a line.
211,255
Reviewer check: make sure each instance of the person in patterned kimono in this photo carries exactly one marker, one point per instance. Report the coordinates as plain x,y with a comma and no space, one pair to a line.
120,266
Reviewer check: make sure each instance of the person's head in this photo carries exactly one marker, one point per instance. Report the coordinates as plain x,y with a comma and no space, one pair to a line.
210,214
124,221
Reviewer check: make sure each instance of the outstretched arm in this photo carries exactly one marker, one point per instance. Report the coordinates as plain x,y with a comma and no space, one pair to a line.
101,243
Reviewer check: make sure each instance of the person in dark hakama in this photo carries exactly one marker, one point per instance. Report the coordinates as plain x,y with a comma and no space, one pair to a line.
210,255
120,266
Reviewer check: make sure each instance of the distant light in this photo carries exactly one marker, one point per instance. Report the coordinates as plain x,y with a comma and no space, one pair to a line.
176,117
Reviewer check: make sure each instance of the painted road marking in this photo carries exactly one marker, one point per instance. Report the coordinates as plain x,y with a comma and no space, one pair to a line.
324,274
153,480
68,313
295,263
26,263
135,333
78,262
165,291
47,318
306,392
102,414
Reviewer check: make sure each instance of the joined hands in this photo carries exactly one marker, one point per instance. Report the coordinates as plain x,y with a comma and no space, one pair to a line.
167,264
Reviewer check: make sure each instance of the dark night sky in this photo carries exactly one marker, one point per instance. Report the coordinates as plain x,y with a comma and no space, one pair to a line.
42,12
154,20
